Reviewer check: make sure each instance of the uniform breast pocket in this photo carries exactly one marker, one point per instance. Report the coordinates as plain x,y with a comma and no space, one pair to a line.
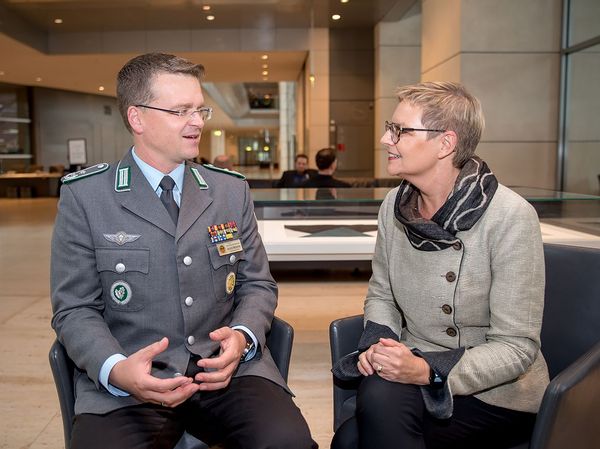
224,272
124,274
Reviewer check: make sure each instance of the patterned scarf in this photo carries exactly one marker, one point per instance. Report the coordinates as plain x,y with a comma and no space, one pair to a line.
472,193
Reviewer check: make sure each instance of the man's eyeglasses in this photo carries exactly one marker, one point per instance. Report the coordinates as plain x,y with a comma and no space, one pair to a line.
205,112
396,130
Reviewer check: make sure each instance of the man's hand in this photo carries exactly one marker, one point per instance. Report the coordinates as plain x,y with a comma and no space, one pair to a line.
222,367
133,376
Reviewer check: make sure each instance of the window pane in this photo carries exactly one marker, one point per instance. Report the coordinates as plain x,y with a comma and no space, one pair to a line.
582,163
584,20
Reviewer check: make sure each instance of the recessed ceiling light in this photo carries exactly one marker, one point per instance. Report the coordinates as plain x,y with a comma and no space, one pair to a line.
206,8
58,21
1,72
265,66
217,133
38,79
265,78
101,88
336,17
211,17
344,1
264,57
265,73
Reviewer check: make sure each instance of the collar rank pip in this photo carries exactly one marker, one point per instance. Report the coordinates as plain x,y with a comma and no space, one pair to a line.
85,173
123,178
222,232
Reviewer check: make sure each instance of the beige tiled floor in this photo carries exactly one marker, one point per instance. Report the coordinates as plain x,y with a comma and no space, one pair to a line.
29,411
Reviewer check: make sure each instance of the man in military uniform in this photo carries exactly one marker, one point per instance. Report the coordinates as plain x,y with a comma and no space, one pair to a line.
161,289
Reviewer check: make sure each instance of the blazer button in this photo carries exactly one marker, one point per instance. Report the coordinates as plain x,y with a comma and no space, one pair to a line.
187,260
451,332
120,267
450,276
191,340
231,259
189,301
457,246
446,309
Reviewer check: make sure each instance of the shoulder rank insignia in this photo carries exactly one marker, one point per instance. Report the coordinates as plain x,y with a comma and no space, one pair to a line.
224,170
86,172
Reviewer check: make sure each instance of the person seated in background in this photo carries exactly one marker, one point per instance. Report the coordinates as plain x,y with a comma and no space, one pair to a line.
297,177
454,307
223,161
326,163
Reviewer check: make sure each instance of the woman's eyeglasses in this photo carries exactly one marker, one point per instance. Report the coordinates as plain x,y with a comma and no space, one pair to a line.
396,130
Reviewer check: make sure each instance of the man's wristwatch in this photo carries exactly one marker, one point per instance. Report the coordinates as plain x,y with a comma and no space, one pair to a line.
249,345
435,380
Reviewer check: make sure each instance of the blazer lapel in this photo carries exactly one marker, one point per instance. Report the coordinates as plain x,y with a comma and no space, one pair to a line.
142,200
194,202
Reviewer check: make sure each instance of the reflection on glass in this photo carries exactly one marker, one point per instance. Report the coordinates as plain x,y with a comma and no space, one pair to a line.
582,133
584,17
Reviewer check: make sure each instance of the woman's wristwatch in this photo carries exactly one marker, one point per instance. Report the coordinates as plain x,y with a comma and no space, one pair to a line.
435,380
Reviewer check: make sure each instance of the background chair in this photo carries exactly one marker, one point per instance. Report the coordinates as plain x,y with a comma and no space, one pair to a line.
279,342
568,415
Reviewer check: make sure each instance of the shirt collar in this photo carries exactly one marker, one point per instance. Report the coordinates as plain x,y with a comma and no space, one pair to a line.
154,176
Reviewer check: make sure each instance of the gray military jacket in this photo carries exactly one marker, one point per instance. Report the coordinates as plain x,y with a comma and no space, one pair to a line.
124,276
486,295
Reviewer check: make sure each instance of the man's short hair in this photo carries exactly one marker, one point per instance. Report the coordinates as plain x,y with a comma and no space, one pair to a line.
301,156
325,157
134,81
447,105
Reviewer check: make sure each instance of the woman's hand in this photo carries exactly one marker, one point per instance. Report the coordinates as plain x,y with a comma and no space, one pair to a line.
393,361
364,364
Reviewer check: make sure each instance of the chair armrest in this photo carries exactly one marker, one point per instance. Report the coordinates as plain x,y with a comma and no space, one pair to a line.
62,371
568,415
344,335
280,341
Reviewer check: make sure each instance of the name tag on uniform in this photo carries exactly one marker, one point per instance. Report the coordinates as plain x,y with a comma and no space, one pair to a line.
229,247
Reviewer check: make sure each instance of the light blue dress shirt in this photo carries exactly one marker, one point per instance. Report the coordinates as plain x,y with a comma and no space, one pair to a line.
154,177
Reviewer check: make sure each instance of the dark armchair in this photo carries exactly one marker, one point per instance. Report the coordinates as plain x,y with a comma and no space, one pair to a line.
569,414
279,342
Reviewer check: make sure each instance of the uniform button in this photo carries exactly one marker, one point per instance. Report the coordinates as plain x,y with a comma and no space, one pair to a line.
191,340
450,276
450,331
189,301
231,258
457,246
120,267
446,309
187,260
177,375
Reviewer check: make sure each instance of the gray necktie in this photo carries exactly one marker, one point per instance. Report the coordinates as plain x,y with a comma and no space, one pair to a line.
167,184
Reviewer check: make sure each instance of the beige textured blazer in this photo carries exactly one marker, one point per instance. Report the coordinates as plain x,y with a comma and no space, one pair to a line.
486,295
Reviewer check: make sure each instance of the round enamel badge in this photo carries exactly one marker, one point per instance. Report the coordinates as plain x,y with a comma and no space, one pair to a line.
230,283
120,292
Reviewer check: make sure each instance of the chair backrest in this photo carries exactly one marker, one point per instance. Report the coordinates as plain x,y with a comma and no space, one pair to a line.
572,304
279,341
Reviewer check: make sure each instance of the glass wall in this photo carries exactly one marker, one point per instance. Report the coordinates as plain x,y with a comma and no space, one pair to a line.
15,123
581,104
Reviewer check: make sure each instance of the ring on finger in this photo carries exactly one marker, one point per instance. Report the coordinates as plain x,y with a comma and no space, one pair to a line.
379,369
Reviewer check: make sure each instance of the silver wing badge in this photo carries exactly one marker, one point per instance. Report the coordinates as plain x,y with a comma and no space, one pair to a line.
120,238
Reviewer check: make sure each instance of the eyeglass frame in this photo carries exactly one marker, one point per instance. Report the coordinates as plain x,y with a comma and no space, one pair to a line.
395,135
183,112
